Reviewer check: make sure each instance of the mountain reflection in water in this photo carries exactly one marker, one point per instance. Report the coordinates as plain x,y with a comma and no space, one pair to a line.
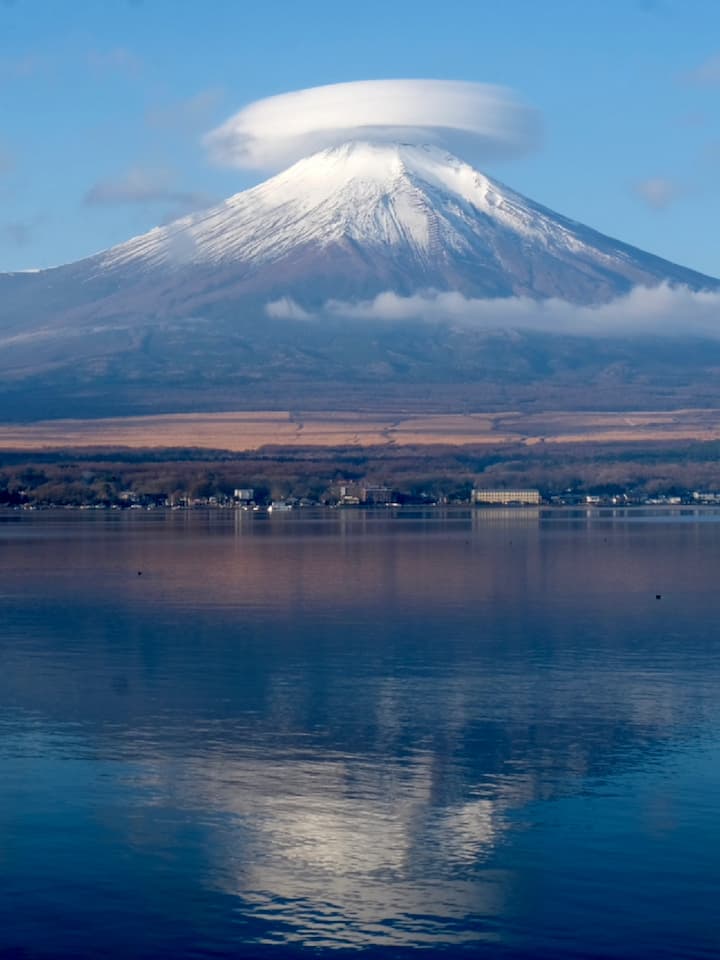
462,730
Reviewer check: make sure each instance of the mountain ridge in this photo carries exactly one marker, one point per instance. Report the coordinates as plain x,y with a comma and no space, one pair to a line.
354,221
420,206
183,310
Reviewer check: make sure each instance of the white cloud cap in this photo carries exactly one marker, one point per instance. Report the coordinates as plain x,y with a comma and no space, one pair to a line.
480,121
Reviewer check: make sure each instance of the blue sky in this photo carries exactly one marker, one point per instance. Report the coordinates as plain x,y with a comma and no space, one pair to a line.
103,104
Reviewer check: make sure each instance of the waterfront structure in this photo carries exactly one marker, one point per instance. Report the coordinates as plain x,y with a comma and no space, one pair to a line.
376,495
505,497
701,496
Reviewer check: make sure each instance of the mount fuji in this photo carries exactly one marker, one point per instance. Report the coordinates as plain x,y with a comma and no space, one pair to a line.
186,308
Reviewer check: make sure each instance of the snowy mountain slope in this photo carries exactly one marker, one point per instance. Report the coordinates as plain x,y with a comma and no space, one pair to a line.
177,318
347,223
413,216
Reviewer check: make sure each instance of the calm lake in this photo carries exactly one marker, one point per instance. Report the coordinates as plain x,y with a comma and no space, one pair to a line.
440,733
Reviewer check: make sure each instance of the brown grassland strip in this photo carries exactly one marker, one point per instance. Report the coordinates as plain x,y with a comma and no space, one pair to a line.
253,430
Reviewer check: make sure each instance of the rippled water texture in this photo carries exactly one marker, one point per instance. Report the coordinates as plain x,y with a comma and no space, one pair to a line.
224,734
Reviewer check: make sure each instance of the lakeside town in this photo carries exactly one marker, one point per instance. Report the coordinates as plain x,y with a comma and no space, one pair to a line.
282,479
357,496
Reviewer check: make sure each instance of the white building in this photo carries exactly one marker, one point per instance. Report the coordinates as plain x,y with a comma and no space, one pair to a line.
505,497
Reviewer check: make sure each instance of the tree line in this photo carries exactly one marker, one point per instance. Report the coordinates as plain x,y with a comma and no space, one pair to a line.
414,474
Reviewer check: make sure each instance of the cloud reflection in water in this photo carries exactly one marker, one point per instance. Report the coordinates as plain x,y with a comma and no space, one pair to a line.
342,851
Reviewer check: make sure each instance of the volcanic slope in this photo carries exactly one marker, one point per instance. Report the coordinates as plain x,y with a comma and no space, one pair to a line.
180,318
345,224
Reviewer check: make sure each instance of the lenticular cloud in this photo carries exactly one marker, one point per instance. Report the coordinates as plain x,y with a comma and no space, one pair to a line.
479,121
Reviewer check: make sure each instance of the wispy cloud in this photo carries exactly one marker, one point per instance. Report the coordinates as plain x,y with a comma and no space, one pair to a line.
183,202
113,59
710,158
116,58
139,185
475,119
648,311
21,67
287,309
651,6
142,186
190,114
19,233
657,192
705,74
7,160
693,118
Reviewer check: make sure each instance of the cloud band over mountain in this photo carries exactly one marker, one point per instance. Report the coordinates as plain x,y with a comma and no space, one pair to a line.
479,121
663,310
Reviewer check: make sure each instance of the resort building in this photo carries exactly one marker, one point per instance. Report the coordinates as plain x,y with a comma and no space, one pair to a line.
505,497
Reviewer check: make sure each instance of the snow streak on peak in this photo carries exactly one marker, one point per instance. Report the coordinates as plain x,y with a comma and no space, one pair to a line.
374,194
365,217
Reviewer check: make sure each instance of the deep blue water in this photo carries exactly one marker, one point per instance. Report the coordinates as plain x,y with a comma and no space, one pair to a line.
349,732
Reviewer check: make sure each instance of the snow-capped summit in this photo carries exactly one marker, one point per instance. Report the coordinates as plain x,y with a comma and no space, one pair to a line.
362,218
346,224
207,306
379,195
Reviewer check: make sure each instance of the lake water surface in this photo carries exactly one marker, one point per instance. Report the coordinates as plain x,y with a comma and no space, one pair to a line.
314,734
